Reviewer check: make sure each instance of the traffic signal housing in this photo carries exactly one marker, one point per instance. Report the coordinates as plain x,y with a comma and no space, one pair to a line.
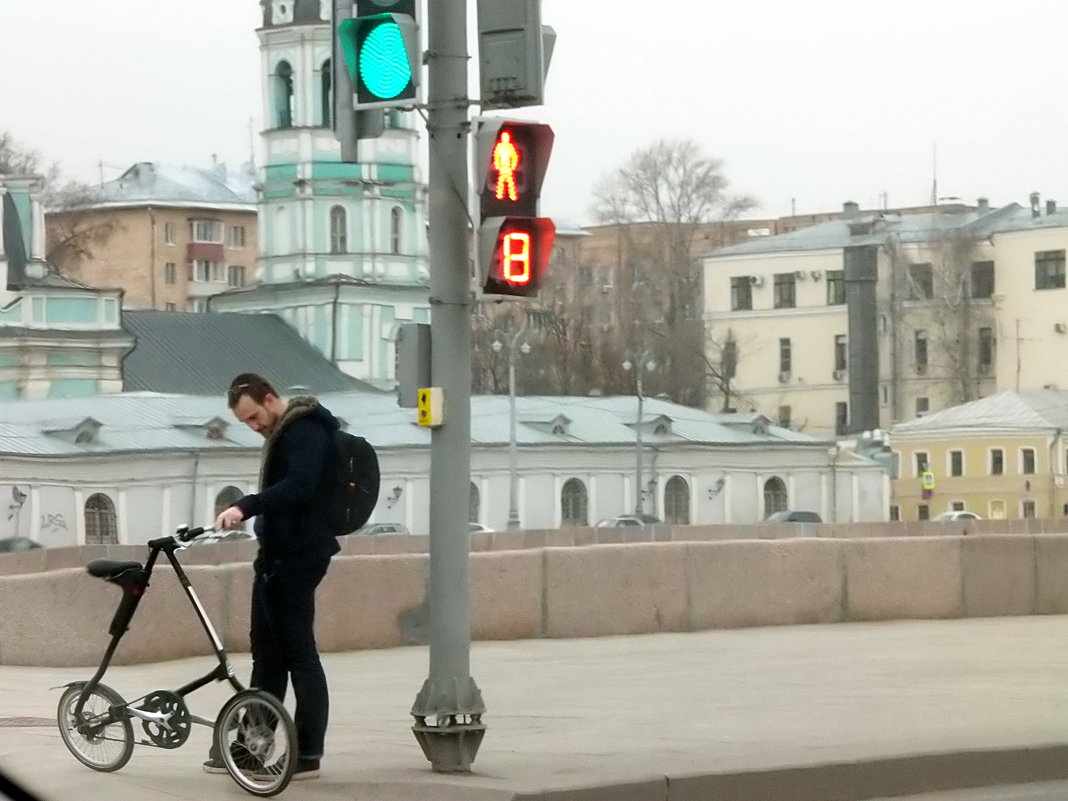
381,49
513,242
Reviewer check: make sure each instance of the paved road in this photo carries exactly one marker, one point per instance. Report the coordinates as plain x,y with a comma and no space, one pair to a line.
571,716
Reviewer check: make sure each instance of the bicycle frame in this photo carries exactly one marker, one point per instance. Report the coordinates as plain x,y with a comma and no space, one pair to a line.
134,584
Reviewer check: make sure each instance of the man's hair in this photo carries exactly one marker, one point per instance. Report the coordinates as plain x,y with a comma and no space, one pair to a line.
252,384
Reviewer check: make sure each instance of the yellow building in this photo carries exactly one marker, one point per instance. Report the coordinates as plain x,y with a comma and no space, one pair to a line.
1003,457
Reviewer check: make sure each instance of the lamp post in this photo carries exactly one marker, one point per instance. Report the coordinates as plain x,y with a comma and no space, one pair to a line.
513,448
643,363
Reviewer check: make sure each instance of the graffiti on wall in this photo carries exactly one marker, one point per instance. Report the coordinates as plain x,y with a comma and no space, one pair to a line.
53,523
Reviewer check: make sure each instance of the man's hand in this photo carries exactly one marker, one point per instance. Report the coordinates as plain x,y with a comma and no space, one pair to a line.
229,519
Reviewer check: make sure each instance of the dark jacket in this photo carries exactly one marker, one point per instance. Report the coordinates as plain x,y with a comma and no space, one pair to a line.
296,487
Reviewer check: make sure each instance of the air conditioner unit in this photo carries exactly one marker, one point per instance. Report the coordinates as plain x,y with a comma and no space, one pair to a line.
1060,328
839,375
784,377
756,280
816,275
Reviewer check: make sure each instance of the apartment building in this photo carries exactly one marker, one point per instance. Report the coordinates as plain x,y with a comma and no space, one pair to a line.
170,236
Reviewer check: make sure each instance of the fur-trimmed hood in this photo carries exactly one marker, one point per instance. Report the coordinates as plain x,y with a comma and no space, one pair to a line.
298,407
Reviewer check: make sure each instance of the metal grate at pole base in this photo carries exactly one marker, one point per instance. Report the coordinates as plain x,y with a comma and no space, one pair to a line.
448,724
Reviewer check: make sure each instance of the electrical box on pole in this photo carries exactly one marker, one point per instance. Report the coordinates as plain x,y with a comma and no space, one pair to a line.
349,125
513,243
514,50
380,45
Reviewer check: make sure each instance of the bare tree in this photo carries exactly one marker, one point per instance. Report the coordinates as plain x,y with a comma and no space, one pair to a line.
660,198
73,230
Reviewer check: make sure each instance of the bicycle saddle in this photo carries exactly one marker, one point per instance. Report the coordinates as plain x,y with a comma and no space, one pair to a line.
111,568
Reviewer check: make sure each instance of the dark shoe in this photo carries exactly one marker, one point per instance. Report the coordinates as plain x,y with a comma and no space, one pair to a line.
242,758
306,769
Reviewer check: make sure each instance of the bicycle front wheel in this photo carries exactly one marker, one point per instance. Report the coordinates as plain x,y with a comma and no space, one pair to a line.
96,739
257,741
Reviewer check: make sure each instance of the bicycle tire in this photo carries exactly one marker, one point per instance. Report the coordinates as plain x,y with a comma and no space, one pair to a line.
262,755
92,749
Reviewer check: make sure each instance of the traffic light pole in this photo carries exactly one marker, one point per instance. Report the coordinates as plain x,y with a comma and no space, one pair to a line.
448,709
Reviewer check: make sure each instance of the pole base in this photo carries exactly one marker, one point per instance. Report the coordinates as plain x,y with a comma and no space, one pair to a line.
451,746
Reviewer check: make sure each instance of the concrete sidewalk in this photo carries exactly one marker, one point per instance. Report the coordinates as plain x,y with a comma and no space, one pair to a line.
799,713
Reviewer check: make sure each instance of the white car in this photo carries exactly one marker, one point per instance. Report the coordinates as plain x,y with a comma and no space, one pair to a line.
479,527
956,514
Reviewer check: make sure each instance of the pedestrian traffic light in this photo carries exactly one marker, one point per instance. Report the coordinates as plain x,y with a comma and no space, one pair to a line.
382,53
514,243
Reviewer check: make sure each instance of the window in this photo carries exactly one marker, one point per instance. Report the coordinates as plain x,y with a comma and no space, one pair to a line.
840,352
197,305
986,348
895,513
235,275
921,351
997,462
100,524
227,498
923,405
997,510
921,282
170,273
841,417
205,231
785,355
956,463
923,512
784,416
884,391
168,233
473,502
202,271
677,501
1027,461
1049,269
1027,509
338,230
957,506
282,95
836,293
573,503
237,236
741,293
774,496
170,307
326,93
785,291
921,462
982,279
395,220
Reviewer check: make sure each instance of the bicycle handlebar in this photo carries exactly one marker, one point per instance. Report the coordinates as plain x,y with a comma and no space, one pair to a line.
185,534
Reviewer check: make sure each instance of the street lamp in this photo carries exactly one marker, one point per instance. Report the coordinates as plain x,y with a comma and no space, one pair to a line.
513,477
642,364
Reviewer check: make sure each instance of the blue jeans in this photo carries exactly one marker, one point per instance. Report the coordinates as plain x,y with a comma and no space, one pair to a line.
283,647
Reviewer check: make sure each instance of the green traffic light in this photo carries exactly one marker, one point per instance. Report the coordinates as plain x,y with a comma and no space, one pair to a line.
384,67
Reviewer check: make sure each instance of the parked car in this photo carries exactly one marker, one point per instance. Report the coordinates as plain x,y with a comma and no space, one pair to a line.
794,516
956,514
479,527
16,544
382,528
237,535
622,521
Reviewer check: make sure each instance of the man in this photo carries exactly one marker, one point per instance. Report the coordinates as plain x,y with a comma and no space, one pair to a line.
295,547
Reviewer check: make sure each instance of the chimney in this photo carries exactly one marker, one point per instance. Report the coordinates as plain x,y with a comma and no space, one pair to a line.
850,210
1051,207
983,206
1035,212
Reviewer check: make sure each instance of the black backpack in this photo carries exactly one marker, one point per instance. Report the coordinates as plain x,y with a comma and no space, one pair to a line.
356,481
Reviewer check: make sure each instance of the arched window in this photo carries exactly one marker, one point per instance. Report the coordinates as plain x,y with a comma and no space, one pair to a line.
677,501
282,95
473,504
326,93
395,219
100,525
227,498
774,495
339,239
573,503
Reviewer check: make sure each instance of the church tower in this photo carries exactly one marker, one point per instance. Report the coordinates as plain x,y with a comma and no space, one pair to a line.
343,247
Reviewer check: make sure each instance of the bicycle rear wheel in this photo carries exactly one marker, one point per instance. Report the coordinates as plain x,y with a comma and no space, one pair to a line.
95,740
257,741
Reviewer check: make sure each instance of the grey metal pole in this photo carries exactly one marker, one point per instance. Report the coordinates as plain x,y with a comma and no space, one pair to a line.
513,447
639,499
448,708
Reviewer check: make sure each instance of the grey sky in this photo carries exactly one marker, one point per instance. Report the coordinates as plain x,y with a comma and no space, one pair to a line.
821,102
